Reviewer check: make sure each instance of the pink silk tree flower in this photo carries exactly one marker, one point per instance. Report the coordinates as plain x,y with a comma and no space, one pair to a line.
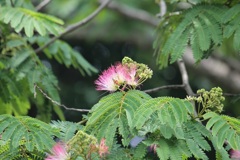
58,152
132,71
107,80
121,76
103,148
235,154
122,73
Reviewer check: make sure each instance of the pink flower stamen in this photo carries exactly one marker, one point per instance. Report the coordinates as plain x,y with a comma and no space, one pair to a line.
58,152
106,80
103,148
123,75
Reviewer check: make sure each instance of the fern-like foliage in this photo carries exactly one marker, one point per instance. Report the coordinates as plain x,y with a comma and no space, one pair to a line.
200,26
172,149
195,136
26,132
164,31
232,20
223,128
26,69
12,100
13,89
67,129
20,153
167,122
64,54
168,112
162,117
20,66
193,142
113,113
30,21
120,153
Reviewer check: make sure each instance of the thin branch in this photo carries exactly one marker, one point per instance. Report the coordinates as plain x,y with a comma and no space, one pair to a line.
176,86
55,102
231,95
42,4
163,8
76,25
185,79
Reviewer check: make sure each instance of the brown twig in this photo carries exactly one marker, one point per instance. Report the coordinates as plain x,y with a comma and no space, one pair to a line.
75,26
55,102
176,86
42,4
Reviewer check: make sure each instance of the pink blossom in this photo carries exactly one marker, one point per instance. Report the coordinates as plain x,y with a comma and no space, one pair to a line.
122,73
58,152
116,76
132,71
235,154
107,80
103,148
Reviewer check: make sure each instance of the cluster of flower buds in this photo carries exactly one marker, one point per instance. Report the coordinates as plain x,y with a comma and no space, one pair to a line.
126,75
211,100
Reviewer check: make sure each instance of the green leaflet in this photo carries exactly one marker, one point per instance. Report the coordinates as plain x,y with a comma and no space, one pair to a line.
12,100
224,128
26,67
65,54
195,133
113,112
19,153
172,149
67,129
26,70
171,111
231,20
22,18
25,131
197,152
